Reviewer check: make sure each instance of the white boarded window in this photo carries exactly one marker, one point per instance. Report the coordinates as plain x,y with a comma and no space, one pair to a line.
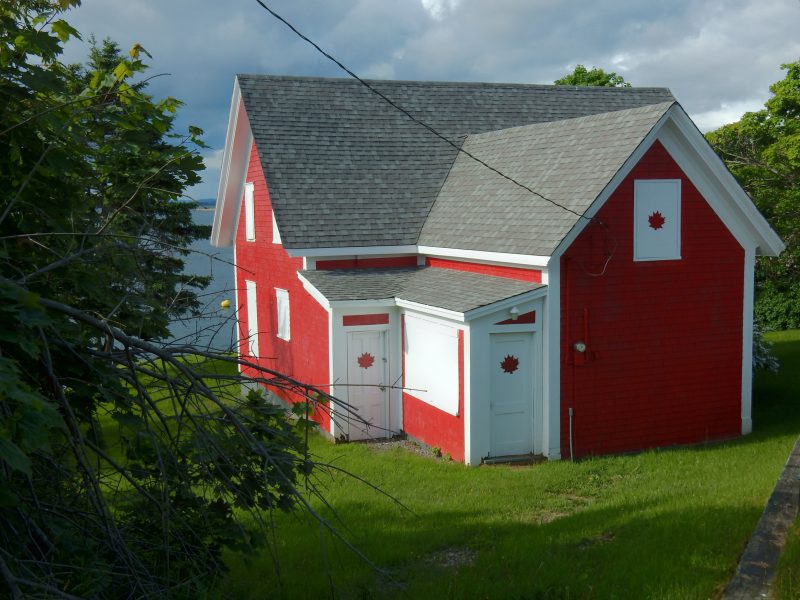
656,219
282,297
276,235
249,213
431,362
252,318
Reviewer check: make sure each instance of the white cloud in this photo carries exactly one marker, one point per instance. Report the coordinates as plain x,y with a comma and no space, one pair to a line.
384,70
213,159
727,113
717,56
437,8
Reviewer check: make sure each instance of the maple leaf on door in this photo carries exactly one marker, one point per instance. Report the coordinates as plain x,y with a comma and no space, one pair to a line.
510,364
366,360
656,220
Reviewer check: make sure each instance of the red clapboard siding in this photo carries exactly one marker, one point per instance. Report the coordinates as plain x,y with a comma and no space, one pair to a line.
379,319
533,275
664,338
305,356
528,317
367,263
430,425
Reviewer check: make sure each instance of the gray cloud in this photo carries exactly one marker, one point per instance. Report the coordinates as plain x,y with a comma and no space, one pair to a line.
717,56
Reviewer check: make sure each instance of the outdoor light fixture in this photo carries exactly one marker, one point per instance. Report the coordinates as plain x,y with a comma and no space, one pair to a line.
514,313
580,347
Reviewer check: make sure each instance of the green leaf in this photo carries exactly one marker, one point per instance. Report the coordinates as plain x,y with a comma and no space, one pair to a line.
122,71
14,457
64,30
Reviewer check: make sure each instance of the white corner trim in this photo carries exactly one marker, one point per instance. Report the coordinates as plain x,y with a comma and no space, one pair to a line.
237,311
467,366
235,159
551,365
314,293
747,340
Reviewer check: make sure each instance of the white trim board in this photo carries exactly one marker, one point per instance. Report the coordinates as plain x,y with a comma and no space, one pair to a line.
314,292
501,305
235,159
349,252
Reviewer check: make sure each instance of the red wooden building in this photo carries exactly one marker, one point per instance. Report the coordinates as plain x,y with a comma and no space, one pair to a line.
605,308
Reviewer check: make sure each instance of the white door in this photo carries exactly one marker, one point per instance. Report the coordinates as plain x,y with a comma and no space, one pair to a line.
367,369
511,389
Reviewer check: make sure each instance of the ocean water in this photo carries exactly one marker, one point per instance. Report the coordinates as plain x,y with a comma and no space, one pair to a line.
214,329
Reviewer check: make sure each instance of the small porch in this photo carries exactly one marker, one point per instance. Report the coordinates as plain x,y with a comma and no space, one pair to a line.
413,350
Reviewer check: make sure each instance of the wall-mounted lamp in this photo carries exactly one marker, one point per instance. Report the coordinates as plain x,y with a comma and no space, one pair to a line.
514,313
579,347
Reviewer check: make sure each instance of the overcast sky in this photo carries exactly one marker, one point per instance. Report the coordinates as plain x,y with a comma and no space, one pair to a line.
717,56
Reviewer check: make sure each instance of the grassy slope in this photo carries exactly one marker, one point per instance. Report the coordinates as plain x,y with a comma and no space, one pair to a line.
661,524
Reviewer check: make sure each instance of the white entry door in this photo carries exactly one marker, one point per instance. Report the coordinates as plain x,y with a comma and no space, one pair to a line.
511,388
366,378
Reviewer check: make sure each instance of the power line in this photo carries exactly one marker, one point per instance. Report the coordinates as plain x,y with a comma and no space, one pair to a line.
391,103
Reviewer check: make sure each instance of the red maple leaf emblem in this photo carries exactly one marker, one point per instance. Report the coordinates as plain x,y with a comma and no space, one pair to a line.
510,364
366,360
656,220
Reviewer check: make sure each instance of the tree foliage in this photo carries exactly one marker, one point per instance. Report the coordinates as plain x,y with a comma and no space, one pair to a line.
123,460
762,150
592,77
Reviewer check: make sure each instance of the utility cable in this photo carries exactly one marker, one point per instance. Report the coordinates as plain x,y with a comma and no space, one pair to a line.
391,103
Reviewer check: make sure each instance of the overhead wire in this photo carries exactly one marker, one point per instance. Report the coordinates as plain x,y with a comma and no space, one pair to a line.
408,114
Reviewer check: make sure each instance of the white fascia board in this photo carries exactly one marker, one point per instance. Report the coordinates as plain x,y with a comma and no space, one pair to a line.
611,186
501,305
314,293
362,304
350,251
497,258
431,310
491,257
768,242
235,159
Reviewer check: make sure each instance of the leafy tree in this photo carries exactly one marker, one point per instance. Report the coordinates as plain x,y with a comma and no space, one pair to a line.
123,460
762,150
592,77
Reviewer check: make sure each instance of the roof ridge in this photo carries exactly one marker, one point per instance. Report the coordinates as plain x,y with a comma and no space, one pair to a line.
574,120
429,82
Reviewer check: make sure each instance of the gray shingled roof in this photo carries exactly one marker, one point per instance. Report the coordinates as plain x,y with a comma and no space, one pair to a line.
568,161
345,169
458,291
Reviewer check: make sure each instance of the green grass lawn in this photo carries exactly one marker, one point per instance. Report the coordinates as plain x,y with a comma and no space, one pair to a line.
660,524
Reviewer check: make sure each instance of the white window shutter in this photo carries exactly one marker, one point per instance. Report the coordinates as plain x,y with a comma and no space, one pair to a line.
249,213
282,297
656,219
